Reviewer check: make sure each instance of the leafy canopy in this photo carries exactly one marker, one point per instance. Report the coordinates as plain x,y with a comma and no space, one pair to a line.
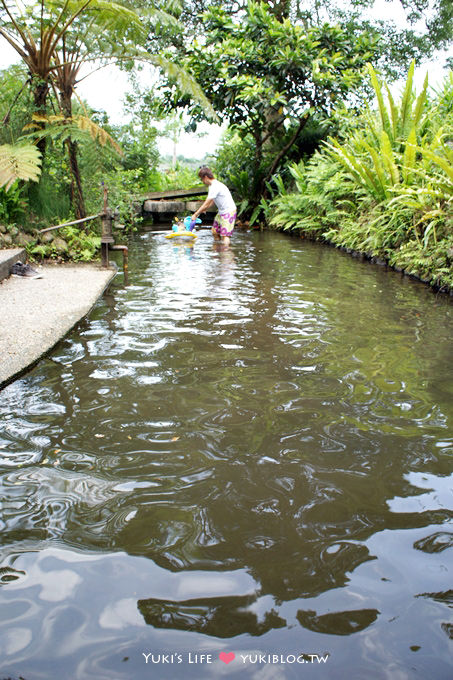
267,76
247,68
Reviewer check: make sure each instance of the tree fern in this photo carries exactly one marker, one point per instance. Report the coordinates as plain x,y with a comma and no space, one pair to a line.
76,128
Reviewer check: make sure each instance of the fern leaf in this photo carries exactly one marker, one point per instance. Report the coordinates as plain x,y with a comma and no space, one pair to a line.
377,167
389,159
441,162
63,128
19,162
185,81
96,132
409,156
355,167
406,103
420,102
39,118
380,99
393,113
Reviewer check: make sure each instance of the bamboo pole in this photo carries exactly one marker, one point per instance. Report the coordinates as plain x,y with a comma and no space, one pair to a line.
67,224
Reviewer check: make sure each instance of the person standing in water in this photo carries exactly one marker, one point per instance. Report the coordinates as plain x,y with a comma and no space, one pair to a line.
220,195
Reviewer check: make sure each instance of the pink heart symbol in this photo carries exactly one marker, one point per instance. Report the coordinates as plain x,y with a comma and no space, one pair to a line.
226,657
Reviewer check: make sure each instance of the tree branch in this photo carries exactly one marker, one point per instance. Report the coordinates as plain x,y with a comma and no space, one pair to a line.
13,44
65,27
5,120
14,23
272,130
303,121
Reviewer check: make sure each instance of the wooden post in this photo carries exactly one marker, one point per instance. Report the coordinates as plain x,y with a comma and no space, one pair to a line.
106,233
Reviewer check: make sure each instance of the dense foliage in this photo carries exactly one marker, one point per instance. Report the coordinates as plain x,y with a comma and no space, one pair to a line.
268,77
386,188
428,24
289,79
55,39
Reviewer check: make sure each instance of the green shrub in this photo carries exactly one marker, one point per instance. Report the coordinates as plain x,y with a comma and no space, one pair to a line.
13,204
387,189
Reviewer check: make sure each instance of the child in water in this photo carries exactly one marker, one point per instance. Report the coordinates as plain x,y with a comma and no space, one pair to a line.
220,195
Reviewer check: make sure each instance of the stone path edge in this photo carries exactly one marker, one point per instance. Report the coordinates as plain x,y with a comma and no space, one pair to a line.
80,286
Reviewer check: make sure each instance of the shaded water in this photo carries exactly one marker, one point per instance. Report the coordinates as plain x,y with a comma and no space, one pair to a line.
243,452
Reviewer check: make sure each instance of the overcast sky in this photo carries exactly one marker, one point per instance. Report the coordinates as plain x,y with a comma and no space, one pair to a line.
106,88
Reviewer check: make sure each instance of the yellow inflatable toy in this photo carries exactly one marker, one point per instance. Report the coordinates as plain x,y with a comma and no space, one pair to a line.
182,235
183,231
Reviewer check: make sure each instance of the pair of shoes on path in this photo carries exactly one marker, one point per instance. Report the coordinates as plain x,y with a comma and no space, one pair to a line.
24,271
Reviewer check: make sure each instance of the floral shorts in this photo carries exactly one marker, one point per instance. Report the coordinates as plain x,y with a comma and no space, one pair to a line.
224,223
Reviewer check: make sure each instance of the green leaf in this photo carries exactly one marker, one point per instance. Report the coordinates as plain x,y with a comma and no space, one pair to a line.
420,103
406,103
441,162
393,113
409,156
382,110
19,162
389,159
377,167
356,168
186,83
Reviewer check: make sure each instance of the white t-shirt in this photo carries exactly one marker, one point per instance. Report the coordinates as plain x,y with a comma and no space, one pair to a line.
222,197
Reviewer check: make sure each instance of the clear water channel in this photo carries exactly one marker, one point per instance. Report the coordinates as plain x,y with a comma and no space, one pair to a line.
239,465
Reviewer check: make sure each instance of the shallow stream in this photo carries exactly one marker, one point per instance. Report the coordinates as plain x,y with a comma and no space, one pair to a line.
244,453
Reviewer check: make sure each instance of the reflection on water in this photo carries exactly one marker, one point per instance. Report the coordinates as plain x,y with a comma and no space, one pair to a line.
243,450
220,617
338,623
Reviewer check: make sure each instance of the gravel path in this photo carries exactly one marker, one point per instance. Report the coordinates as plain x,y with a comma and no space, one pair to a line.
36,313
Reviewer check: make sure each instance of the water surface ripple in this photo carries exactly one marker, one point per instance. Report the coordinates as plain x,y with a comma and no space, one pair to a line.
241,451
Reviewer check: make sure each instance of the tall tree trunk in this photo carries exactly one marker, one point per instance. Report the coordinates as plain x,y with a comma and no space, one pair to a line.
76,189
40,91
